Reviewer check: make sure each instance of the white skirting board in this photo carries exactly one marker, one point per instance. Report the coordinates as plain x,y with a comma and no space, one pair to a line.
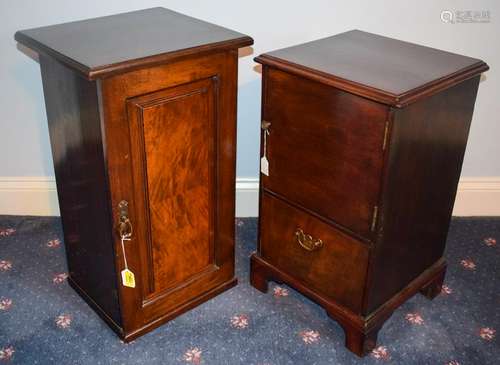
476,196
28,195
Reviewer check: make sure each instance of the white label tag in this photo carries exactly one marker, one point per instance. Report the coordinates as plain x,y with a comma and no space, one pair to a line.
128,278
264,166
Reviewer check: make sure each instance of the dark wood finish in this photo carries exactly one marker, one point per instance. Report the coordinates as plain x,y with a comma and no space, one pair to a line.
434,288
76,139
427,143
379,68
336,270
118,43
179,309
359,342
375,181
162,138
360,330
317,139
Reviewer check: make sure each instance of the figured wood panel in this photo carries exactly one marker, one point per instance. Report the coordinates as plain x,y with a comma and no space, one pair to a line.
178,142
336,271
325,148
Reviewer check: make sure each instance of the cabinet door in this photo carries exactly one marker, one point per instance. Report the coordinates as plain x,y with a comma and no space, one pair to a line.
175,167
325,148
173,138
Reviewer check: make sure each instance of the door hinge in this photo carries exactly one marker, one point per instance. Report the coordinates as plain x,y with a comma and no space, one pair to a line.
386,134
374,218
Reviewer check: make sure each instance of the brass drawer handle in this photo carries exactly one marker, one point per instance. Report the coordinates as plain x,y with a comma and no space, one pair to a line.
306,240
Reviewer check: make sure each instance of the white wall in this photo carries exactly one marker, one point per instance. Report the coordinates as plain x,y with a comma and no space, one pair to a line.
24,143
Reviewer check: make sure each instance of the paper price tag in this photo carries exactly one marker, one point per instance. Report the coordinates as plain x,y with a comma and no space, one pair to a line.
264,166
128,278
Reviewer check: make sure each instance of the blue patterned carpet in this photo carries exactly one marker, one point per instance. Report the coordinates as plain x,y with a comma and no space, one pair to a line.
42,321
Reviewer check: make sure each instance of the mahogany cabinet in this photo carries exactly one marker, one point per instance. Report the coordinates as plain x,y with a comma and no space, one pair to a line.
141,109
363,140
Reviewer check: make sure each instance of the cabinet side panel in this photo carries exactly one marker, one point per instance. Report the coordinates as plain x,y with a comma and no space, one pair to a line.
76,141
427,145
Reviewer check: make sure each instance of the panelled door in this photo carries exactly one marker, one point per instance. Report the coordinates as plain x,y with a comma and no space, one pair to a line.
180,188
174,144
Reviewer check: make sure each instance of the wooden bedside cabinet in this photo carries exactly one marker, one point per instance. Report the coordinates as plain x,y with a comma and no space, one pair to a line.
142,118
364,137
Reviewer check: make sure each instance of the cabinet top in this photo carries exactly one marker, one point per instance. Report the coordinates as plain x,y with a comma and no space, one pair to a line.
379,68
112,44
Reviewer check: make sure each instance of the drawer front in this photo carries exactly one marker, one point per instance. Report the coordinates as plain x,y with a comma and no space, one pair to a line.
313,252
325,148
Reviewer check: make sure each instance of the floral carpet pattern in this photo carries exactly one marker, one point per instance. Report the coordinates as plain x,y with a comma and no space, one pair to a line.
43,321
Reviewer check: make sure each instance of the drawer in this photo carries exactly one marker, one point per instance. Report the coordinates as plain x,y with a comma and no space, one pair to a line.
334,267
325,148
